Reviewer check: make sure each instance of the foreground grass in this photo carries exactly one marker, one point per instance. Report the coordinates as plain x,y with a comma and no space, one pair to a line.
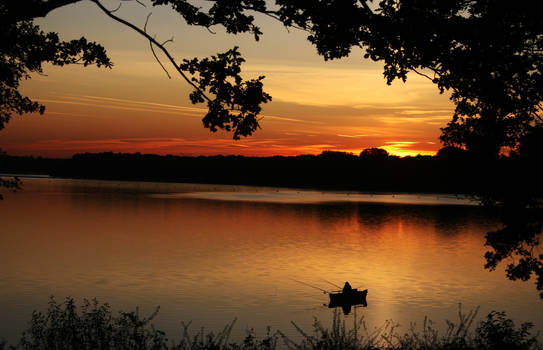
94,326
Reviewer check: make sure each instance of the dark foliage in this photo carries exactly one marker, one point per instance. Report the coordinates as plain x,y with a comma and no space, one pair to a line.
233,15
24,48
497,332
374,153
237,103
517,241
488,54
329,170
94,326
233,104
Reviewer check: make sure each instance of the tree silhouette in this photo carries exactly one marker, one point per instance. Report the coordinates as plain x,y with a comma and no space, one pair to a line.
233,104
374,153
521,209
488,54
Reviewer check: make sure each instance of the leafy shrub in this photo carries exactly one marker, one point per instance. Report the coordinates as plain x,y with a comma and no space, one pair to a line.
498,332
94,327
64,327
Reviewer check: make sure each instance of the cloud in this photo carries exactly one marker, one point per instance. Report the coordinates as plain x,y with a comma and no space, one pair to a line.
126,104
439,120
429,111
157,145
332,84
285,119
146,106
134,102
400,143
352,136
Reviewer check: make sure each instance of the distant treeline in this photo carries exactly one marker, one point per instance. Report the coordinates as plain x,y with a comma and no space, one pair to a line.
452,170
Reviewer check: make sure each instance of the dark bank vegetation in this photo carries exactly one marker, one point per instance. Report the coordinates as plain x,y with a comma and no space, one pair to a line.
452,170
95,326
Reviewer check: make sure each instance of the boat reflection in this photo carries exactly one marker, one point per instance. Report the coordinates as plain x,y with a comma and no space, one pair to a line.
346,299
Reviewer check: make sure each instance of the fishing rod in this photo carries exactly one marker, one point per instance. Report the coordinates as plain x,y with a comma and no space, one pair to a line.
335,285
310,285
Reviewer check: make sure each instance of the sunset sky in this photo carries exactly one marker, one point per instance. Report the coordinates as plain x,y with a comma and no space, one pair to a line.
340,105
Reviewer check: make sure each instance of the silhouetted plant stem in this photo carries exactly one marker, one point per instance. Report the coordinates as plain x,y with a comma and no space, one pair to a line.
94,326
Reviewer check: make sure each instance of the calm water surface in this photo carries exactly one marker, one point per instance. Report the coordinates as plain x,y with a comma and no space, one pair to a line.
214,253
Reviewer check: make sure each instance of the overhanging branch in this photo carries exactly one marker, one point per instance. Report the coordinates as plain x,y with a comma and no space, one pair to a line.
153,41
23,11
422,74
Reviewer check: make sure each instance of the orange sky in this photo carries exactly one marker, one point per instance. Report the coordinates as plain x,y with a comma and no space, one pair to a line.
340,105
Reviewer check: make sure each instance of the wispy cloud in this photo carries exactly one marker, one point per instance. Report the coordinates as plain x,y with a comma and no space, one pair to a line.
341,85
431,120
400,143
143,103
125,104
146,106
423,111
352,136
157,145
287,119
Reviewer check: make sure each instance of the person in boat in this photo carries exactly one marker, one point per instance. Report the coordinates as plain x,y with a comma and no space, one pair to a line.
347,288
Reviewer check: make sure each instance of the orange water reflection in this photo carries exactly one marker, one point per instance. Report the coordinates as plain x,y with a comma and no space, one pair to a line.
210,261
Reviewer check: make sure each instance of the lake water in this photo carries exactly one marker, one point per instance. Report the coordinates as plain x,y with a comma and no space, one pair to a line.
212,253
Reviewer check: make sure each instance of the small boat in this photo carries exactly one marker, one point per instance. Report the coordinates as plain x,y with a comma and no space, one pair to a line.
347,299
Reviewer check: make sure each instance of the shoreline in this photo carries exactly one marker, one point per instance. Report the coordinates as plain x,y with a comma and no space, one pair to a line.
278,194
